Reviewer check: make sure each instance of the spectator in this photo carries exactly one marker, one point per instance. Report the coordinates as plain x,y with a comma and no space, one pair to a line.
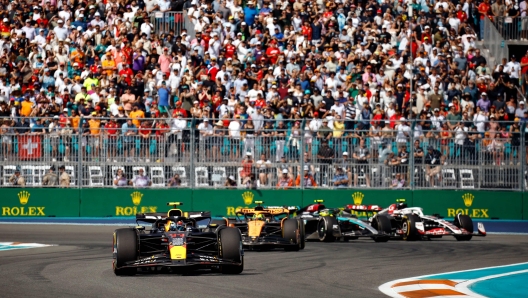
433,161
16,179
120,179
64,177
250,182
340,178
175,181
285,181
230,182
50,179
361,157
398,181
140,180
307,181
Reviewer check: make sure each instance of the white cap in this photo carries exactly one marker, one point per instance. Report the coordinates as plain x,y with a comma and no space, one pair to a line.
253,65
6,20
484,93
451,105
427,27
521,102
285,171
206,120
97,14
79,28
243,23
306,168
81,15
345,153
248,154
60,21
75,64
232,178
403,119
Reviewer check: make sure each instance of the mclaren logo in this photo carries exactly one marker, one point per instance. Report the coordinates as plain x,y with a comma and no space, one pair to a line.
468,200
133,210
23,199
358,198
247,197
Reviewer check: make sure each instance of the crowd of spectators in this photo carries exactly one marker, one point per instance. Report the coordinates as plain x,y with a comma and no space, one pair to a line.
361,69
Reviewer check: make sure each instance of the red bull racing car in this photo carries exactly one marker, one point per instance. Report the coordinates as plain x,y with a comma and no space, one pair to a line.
176,240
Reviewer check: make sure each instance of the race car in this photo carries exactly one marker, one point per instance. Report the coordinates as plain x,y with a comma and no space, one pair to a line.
267,228
409,223
329,224
175,242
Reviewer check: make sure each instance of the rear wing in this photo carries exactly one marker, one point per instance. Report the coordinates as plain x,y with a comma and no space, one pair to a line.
153,217
363,208
272,211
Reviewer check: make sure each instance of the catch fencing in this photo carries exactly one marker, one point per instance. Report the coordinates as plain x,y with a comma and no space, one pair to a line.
188,153
512,28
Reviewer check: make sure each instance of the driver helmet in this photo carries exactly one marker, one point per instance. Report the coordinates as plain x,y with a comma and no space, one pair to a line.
177,226
259,216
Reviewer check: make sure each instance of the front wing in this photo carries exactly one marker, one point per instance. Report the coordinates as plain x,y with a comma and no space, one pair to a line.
265,242
192,260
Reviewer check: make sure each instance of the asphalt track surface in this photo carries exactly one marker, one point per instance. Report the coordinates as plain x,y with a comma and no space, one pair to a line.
80,266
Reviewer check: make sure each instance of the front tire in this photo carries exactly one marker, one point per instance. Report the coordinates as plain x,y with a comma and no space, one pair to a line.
464,222
383,226
291,231
325,228
125,250
410,233
230,249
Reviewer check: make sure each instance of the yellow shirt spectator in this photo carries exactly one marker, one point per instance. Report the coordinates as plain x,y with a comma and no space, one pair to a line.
339,129
88,82
27,107
95,125
75,122
108,65
135,115
80,96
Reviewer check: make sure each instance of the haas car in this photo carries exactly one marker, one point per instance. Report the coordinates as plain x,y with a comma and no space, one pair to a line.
328,225
409,223
176,242
267,227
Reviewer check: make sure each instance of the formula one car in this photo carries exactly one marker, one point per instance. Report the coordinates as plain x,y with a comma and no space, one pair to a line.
409,223
267,227
327,224
174,242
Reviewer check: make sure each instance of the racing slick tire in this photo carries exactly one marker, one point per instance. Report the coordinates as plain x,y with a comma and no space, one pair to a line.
125,250
410,233
230,248
325,228
464,222
302,233
383,226
291,230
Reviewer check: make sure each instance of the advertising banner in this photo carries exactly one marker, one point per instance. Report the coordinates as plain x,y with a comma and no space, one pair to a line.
129,202
476,204
39,202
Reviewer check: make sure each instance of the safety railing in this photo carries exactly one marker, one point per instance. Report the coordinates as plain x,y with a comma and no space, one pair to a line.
165,22
270,154
494,41
511,28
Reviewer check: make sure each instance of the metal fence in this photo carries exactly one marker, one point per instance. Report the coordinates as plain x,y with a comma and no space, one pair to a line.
512,28
271,154
164,22
494,42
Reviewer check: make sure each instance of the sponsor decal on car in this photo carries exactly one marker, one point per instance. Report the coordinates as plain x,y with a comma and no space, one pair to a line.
23,198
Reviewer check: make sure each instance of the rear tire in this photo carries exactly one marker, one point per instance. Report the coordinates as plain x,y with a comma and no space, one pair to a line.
410,233
325,228
302,235
464,222
291,232
384,227
230,242
125,250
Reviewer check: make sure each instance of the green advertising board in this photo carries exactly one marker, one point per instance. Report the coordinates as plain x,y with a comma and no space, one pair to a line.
340,197
476,204
40,202
224,202
128,202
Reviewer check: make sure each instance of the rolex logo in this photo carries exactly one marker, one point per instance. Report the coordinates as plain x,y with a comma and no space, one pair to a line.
23,197
358,198
468,199
136,197
248,197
